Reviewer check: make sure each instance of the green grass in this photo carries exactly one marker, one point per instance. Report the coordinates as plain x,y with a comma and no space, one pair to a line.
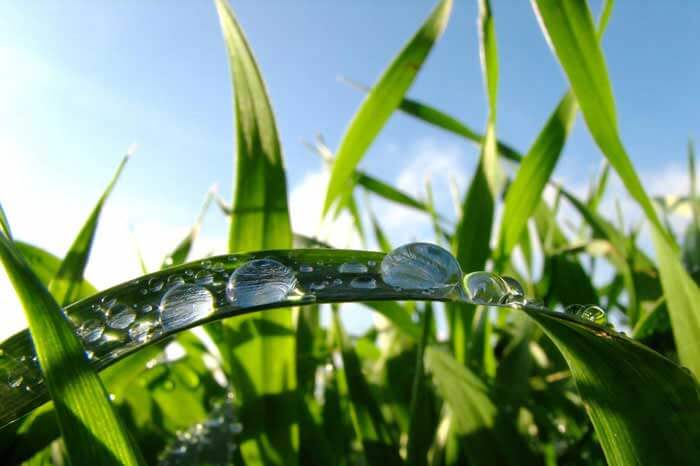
501,385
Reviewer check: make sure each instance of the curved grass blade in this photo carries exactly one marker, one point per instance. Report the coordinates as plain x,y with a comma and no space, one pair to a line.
643,406
381,102
92,432
65,286
262,367
379,447
569,27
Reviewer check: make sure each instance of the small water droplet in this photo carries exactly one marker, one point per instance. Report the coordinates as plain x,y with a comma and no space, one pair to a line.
367,283
189,272
337,282
305,268
421,266
91,330
122,319
206,264
371,263
203,277
217,267
590,312
155,285
175,280
146,308
485,288
183,304
316,286
14,381
90,354
259,282
352,267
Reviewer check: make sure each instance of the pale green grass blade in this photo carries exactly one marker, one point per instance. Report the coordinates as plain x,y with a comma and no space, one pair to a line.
378,445
4,223
260,217
389,192
643,406
488,437
569,28
262,368
65,286
532,176
600,187
92,432
181,252
381,102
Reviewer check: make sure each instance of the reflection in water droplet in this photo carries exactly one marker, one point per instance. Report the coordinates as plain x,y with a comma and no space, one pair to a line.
155,285
485,288
183,304
366,283
91,330
259,282
421,266
352,267
514,286
305,268
122,319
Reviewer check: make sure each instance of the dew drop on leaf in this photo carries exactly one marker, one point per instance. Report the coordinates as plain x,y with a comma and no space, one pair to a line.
183,304
485,288
421,266
259,282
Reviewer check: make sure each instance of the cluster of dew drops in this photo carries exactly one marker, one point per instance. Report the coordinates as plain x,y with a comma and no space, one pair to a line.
161,305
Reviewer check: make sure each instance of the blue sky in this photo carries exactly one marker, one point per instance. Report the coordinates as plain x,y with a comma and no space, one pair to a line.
82,81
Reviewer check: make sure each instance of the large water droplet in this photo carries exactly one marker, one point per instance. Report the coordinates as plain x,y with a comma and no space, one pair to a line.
485,288
141,331
421,266
121,319
183,304
259,282
91,330
352,267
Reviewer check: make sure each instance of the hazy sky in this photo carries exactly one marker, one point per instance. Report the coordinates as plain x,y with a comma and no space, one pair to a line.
81,81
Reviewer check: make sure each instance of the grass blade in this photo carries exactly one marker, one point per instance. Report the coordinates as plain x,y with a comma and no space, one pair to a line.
181,252
4,223
262,369
65,286
92,432
381,102
643,406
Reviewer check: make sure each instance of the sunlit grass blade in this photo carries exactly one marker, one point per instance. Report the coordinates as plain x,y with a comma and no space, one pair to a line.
65,285
181,252
378,445
4,223
92,432
476,421
381,102
643,406
262,369
569,28
599,190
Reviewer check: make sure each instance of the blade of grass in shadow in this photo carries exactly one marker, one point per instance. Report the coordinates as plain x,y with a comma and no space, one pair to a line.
378,446
419,433
65,285
643,406
262,368
181,252
569,28
92,432
381,102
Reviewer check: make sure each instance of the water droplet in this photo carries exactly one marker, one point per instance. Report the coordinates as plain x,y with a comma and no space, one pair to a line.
421,266
91,330
183,304
367,283
141,331
206,264
514,286
217,267
485,288
259,282
146,308
371,263
337,282
203,277
90,354
305,268
352,267
175,280
318,286
14,381
121,320
155,285
189,272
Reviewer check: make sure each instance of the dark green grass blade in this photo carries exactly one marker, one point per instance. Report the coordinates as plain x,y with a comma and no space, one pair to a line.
92,432
262,368
65,286
643,406
378,445
419,432
381,102
488,437
569,27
